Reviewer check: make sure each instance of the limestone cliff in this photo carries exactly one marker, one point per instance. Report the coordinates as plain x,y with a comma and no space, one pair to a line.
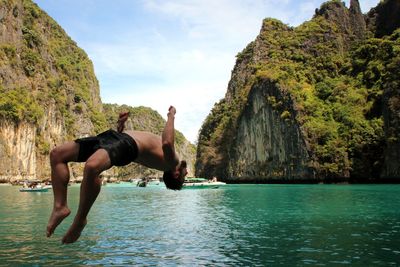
384,20
48,89
269,143
313,103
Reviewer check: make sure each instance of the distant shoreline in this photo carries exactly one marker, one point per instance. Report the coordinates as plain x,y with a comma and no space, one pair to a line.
285,182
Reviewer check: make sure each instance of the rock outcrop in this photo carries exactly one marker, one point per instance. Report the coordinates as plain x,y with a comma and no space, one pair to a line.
48,89
350,21
315,103
269,143
384,19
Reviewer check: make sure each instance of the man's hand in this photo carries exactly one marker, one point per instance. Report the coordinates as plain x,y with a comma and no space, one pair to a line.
168,139
123,116
171,111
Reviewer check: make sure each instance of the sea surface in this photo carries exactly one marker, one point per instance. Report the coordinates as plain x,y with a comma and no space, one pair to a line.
234,225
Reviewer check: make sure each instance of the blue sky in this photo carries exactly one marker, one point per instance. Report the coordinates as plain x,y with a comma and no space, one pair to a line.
158,53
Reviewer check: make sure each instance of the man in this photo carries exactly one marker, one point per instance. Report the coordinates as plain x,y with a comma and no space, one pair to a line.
111,148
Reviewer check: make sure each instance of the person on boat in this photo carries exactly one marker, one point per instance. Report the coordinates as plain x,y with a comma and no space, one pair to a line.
33,185
101,152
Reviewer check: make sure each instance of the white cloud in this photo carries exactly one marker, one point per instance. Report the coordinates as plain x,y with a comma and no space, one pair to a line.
210,19
192,79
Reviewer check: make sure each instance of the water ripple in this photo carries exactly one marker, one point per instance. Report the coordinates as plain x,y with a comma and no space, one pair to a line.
246,225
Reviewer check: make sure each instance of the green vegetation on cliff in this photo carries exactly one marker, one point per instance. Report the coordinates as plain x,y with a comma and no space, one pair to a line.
42,65
335,74
17,105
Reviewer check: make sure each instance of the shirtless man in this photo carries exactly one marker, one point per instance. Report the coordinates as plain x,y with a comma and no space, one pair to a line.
101,152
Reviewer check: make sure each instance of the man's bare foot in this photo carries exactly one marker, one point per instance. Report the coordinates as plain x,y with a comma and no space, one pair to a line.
56,217
74,232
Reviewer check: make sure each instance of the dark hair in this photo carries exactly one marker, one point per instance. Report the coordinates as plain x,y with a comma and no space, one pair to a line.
171,182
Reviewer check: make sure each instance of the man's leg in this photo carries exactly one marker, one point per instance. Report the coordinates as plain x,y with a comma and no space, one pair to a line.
59,157
90,189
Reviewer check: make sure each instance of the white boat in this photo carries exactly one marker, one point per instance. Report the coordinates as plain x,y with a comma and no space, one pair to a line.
154,182
34,189
199,183
34,186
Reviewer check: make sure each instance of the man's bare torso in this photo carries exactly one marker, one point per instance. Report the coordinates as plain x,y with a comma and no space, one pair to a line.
150,150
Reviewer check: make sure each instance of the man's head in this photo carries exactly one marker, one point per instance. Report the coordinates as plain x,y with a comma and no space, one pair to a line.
174,179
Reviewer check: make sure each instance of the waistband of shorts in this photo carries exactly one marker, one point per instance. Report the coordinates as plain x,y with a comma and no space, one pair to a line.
133,142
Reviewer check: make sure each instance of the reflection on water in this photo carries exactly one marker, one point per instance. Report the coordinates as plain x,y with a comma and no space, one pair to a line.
237,225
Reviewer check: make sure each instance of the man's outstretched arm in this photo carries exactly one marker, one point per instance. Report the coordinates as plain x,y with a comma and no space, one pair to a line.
168,139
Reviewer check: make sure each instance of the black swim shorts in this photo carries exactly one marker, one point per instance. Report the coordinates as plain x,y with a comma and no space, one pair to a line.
121,147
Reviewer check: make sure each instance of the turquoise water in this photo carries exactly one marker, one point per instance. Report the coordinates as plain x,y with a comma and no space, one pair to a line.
236,225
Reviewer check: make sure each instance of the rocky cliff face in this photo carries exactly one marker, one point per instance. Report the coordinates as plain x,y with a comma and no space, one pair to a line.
48,89
305,103
269,143
384,20
18,142
350,21
24,147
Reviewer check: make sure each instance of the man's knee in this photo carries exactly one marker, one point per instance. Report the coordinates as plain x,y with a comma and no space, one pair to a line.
56,155
93,167
64,153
